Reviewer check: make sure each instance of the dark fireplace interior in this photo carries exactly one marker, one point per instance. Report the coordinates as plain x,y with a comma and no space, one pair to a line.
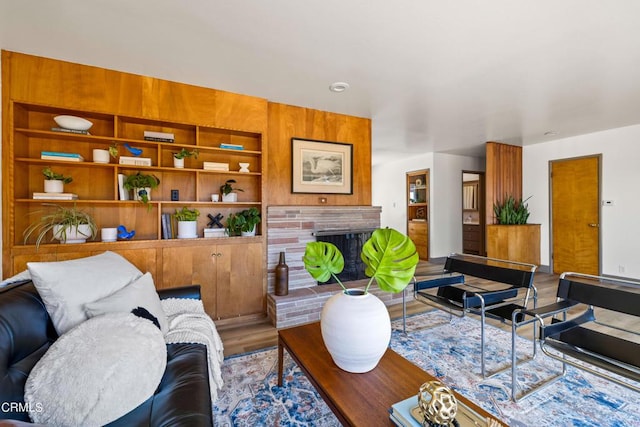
350,244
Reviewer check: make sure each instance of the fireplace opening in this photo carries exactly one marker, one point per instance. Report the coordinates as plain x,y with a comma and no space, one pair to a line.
350,243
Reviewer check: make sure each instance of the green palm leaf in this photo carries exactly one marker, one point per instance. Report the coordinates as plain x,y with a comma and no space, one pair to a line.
323,260
391,259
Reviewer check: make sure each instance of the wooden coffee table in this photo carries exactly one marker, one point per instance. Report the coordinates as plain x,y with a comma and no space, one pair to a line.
356,399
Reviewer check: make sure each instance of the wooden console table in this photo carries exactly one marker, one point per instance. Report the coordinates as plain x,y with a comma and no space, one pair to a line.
356,399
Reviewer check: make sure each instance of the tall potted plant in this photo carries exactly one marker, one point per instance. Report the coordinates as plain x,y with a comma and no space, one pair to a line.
512,238
67,224
187,222
355,324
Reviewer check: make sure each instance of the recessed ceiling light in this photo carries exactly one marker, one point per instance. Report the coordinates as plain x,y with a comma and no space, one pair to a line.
338,87
550,133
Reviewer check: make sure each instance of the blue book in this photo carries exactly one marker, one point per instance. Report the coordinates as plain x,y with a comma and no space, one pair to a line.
231,146
59,154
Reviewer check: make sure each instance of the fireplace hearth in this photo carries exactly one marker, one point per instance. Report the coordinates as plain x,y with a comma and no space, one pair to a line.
350,243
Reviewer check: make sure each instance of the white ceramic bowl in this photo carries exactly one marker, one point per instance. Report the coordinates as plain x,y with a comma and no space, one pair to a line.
73,122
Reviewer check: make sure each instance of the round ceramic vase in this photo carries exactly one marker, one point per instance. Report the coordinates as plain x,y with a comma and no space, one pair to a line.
356,330
78,234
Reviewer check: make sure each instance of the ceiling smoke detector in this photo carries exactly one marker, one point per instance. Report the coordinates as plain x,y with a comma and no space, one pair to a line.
338,87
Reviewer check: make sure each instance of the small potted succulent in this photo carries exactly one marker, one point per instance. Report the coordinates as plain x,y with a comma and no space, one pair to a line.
187,222
229,192
141,184
178,158
54,182
67,224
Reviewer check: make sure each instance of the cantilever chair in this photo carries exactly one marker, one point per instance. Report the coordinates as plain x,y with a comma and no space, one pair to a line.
509,289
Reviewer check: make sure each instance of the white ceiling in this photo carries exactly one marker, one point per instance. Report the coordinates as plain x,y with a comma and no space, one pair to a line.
433,75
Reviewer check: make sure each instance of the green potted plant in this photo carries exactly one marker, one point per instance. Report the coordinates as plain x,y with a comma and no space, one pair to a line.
355,324
511,211
229,192
67,224
113,150
53,181
178,158
141,184
244,222
187,222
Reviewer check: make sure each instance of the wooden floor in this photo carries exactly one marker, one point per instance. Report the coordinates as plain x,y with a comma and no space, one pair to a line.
262,334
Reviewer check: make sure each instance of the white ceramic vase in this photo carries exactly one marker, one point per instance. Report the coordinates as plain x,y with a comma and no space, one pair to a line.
53,186
187,229
178,163
249,233
356,330
78,234
231,197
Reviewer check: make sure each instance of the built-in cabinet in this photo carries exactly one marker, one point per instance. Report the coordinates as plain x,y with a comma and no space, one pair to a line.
229,269
418,210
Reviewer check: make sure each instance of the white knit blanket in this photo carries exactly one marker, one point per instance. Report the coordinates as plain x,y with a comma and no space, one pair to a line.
188,323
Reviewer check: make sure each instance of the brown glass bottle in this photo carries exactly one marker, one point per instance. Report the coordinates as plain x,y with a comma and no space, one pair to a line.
282,277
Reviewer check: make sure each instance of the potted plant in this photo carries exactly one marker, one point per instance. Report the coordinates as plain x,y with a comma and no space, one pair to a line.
512,238
187,222
113,150
228,192
141,184
511,211
69,225
178,158
243,223
54,182
355,324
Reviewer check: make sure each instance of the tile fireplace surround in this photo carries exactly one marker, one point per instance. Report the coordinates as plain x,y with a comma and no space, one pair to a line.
289,228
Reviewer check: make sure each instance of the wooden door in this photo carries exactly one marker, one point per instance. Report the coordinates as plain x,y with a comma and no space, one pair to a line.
575,215
239,280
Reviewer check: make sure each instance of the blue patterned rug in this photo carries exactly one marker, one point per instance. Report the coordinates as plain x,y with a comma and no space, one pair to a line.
251,396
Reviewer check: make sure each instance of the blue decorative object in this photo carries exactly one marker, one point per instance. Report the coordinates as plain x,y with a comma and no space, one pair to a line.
132,150
215,220
124,234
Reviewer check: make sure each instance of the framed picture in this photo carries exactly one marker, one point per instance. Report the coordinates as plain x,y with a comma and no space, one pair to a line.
321,167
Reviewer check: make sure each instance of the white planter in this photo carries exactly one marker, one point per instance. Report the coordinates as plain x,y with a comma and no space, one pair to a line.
187,229
72,234
356,330
178,163
136,193
231,197
249,233
53,186
101,156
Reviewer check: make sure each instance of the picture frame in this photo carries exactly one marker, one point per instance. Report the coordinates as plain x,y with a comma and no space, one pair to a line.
321,167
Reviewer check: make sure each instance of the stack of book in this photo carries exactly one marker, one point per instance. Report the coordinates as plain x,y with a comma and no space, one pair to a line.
58,155
214,232
400,412
55,196
136,161
81,132
158,136
231,146
213,166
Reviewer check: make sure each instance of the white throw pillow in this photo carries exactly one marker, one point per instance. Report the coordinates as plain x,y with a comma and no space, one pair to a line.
66,286
97,372
140,293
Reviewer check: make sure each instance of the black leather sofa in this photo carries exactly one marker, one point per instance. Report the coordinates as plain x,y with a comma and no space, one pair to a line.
26,332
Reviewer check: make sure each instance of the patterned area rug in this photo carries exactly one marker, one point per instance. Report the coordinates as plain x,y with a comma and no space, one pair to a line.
251,396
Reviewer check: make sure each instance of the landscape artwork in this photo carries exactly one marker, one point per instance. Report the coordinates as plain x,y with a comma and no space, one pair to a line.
321,167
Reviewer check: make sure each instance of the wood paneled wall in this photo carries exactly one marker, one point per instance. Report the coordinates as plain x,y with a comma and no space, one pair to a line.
81,87
286,122
503,175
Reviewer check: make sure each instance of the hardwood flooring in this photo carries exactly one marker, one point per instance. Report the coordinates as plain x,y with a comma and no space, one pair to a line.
261,334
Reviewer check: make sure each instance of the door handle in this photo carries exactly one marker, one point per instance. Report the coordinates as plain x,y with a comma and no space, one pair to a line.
594,225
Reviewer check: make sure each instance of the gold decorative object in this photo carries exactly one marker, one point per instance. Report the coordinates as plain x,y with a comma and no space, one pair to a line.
437,403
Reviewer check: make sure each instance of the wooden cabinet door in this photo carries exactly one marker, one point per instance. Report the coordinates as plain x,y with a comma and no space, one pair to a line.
192,266
239,278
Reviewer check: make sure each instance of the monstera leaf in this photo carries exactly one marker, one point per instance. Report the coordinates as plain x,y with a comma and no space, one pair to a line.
323,260
391,259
